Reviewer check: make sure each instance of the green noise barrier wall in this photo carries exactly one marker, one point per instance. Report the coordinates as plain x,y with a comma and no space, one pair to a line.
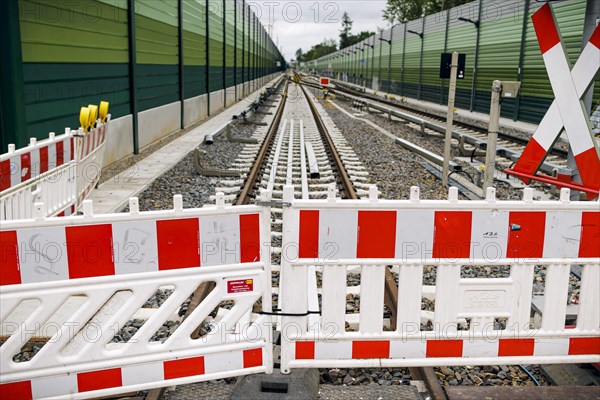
136,54
507,50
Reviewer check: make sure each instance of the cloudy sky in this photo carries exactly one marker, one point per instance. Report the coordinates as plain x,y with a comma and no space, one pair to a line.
304,23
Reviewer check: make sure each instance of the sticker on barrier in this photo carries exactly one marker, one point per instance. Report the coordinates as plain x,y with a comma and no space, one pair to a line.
104,295
474,320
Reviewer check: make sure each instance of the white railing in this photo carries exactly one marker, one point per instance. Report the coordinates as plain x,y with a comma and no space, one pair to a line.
59,171
78,282
475,321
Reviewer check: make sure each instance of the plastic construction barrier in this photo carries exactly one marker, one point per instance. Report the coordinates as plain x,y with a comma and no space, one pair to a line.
333,236
75,286
59,171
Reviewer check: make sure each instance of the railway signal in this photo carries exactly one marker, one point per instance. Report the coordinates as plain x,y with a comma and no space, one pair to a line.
567,110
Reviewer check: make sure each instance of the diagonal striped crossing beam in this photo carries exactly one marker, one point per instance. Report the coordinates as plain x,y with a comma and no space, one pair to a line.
567,110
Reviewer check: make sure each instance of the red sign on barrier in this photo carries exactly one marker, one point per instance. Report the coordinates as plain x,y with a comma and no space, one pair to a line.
240,286
324,81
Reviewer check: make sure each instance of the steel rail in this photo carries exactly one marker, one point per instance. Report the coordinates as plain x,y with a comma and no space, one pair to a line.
347,185
244,197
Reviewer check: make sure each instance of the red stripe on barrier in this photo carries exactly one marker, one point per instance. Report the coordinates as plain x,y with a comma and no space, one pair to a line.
305,350
16,391
87,139
376,237
595,38
4,175
444,348
60,153
452,234
309,234
253,358
249,238
178,243
98,380
526,230
545,28
174,369
370,349
589,244
10,273
579,346
72,154
530,159
515,347
589,169
43,159
90,251
25,167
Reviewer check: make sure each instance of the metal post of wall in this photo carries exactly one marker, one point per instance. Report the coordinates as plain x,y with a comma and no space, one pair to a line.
235,48
521,57
379,69
474,80
372,60
445,50
207,9
422,36
13,125
362,65
403,55
181,61
492,137
390,60
449,117
132,74
224,69
243,48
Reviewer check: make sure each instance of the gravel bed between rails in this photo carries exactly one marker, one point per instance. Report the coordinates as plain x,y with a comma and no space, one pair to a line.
432,143
183,179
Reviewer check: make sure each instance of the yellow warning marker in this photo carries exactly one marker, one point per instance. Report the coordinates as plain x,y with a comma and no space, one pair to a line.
93,114
84,118
103,110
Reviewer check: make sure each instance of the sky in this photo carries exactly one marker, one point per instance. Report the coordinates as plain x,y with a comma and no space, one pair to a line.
304,23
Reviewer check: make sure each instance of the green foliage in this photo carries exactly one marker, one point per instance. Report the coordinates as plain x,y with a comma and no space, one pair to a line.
319,50
397,11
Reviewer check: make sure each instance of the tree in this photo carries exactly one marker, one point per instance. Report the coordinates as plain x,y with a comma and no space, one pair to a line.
299,54
399,10
319,50
345,34
360,37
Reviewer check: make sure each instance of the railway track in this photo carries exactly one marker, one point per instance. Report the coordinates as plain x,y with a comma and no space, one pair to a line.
301,146
471,138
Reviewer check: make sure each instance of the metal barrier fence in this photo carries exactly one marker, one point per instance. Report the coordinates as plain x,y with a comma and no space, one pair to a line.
77,281
332,236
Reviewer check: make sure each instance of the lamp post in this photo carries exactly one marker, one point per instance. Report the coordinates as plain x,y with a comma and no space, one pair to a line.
372,46
477,25
389,41
362,66
420,34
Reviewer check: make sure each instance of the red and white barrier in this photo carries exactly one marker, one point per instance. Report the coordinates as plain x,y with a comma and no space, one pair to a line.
566,110
335,236
59,171
89,275
106,382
